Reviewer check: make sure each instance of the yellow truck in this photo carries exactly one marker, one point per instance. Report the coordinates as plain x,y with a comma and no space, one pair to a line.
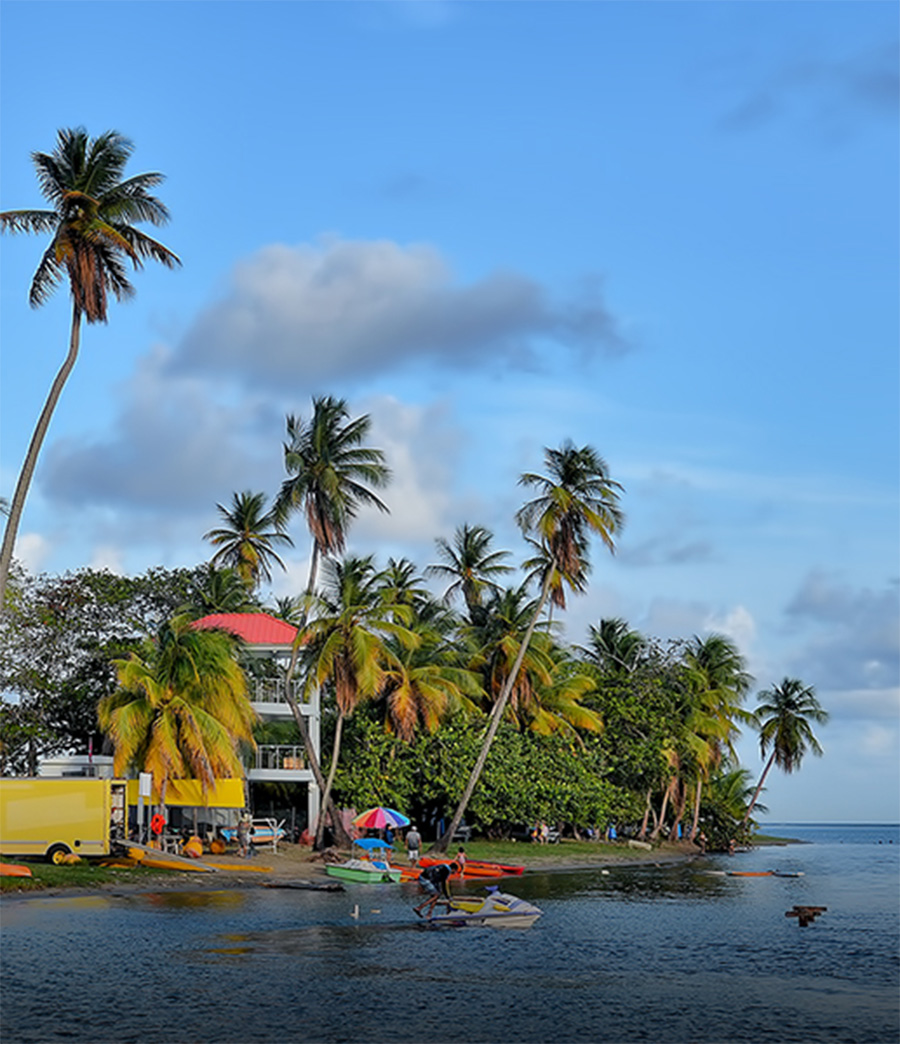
53,817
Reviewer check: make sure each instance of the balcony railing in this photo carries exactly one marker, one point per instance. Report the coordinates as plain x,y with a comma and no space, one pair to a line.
280,756
272,690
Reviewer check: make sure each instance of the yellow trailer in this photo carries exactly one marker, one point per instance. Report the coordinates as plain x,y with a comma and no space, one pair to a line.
53,817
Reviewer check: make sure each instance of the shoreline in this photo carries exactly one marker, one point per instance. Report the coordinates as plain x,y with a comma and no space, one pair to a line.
295,867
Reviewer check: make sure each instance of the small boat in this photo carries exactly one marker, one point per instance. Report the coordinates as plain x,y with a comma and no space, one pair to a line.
364,871
495,910
473,868
262,832
788,873
14,870
751,873
373,871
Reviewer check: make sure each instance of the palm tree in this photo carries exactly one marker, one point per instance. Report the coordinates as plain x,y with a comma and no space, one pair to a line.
345,644
784,717
330,474
470,563
93,236
576,499
219,591
245,541
613,646
181,709
717,677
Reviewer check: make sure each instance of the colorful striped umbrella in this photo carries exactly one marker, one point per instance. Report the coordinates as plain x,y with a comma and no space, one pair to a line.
378,818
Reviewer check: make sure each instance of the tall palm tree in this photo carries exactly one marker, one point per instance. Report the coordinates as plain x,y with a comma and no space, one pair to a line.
718,678
93,238
245,540
331,474
219,591
784,715
577,498
181,710
345,644
470,563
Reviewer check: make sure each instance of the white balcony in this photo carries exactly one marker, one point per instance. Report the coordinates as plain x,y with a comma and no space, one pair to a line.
267,697
279,763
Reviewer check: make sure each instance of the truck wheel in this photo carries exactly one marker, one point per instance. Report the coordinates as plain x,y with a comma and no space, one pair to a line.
56,852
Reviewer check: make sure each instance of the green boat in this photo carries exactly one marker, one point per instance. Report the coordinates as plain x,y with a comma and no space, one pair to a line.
365,871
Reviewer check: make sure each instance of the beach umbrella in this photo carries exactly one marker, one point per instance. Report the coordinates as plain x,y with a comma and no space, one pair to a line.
379,818
372,843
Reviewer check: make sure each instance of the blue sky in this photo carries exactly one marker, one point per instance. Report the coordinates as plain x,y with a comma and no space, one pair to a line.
667,230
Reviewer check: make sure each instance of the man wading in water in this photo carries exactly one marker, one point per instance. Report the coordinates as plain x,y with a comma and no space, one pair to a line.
433,880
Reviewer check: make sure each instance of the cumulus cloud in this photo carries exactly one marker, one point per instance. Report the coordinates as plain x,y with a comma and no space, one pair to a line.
342,309
854,634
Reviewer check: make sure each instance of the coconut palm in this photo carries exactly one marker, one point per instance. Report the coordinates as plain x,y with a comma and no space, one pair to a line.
784,715
577,498
613,646
717,677
245,540
181,709
345,647
93,239
331,474
219,591
470,563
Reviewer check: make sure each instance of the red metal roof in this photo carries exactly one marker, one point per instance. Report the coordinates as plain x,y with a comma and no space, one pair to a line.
254,628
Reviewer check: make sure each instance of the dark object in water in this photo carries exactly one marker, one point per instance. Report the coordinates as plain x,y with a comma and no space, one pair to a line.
310,886
805,914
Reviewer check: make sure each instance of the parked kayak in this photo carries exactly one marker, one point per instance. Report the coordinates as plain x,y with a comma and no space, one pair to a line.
474,868
14,870
750,873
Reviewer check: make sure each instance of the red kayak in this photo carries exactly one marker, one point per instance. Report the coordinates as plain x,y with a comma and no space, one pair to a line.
475,867
14,870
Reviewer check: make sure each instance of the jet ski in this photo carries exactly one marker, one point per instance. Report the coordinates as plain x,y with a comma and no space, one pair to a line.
495,910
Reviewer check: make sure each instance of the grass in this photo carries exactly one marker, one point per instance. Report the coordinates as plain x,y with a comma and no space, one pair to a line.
75,875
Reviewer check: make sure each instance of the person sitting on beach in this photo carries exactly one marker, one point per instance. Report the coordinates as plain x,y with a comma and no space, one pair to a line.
433,880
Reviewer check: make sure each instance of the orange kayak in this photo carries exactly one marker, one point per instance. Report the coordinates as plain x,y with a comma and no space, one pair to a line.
14,870
472,869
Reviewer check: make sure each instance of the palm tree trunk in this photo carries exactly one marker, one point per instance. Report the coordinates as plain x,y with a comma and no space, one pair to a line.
758,790
34,449
443,842
696,821
642,833
661,822
679,815
335,754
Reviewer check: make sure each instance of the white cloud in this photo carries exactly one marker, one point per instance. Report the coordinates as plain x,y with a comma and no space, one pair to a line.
32,550
342,309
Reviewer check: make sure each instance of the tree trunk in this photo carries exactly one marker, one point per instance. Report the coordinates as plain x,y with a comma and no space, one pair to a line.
642,833
759,787
335,754
661,822
697,796
682,803
443,842
34,449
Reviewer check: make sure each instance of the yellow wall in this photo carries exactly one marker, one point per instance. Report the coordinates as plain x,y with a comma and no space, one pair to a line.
224,793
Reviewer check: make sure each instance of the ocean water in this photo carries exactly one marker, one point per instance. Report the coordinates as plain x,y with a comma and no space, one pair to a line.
672,954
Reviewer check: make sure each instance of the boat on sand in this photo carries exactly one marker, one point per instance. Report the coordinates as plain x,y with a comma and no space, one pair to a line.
371,871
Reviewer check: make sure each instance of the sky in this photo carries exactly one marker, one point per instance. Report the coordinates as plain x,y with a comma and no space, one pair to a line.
668,231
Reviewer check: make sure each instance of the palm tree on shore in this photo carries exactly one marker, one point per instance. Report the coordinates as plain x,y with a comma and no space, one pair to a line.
181,709
246,538
331,474
470,563
93,237
613,646
784,717
346,644
577,498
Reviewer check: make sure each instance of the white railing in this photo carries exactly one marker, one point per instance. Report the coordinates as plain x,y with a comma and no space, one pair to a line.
279,756
272,690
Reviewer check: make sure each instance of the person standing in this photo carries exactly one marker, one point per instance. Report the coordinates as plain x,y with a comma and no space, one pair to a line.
243,836
461,859
413,845
433,880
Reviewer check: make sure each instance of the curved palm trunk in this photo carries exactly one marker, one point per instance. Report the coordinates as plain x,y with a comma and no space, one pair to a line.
443,842
758,790
696,821
34,449
642,833
335,754
661,822
679,814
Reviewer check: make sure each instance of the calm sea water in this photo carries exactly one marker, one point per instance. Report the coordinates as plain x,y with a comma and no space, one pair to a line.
668,954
